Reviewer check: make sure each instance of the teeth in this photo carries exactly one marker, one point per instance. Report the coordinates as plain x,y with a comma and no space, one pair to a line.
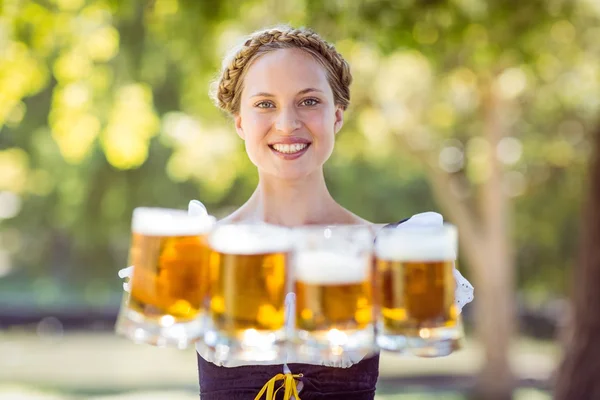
290,148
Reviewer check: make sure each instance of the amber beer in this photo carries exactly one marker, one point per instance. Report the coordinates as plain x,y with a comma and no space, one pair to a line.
249,280
334,300
416,295
248,290
416,285
333,291
169,286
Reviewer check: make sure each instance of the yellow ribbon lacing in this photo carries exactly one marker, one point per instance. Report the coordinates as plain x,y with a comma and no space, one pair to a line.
289,385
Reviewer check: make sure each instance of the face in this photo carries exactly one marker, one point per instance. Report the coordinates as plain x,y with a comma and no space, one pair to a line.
287,116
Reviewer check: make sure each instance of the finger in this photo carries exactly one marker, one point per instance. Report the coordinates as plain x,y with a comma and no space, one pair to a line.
127,287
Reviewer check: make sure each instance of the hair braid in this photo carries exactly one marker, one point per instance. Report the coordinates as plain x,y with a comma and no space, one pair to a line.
230,83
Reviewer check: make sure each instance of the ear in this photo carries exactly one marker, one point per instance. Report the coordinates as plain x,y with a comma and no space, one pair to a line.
339,119
238,126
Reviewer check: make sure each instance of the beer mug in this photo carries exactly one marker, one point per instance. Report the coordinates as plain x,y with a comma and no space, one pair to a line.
169,252
249,282
334,302
415,281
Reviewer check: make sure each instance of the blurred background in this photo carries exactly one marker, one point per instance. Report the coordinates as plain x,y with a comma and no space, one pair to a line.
480,110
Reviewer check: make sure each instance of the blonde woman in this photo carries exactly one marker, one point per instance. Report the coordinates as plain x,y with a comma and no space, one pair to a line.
287,90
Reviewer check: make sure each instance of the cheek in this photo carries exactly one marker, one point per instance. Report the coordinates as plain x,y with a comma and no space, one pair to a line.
256,127
322,126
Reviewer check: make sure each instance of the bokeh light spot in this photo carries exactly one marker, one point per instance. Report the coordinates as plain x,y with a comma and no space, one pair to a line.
10,204
509,150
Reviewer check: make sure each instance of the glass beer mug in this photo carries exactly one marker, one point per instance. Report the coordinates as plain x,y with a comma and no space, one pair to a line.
169,252
333,284
416,286
249,282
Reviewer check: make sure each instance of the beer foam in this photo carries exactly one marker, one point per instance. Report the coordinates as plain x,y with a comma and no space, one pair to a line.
250,239
330,268
168,222
417,244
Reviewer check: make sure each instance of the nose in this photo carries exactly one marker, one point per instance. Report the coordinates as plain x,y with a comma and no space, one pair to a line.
287,121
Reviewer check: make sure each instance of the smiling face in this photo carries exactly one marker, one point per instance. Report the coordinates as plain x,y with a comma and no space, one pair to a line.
287,115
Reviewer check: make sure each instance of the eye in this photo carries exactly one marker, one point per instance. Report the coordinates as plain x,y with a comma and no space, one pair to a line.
264,104
310,102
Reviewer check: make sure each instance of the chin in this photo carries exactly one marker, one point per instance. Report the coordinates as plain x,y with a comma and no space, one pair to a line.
291,170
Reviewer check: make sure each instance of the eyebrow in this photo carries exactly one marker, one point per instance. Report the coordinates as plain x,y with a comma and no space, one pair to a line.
303,91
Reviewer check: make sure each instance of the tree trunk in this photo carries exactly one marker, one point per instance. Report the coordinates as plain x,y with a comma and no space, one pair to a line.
579,373
495,269
485,241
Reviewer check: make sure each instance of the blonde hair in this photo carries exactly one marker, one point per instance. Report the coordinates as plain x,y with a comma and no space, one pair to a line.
227,90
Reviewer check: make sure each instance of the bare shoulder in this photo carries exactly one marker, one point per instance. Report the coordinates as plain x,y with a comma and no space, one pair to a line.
374,226
234,217
356,220
353,219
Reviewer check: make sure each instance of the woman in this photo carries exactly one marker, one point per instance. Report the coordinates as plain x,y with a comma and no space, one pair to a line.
287,90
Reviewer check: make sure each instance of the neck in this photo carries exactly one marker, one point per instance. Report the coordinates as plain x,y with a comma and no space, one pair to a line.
292,202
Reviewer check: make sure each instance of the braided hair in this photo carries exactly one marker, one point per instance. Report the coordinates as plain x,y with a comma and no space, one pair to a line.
227,90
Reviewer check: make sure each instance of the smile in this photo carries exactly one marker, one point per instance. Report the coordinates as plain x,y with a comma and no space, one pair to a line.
289,148
290,151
